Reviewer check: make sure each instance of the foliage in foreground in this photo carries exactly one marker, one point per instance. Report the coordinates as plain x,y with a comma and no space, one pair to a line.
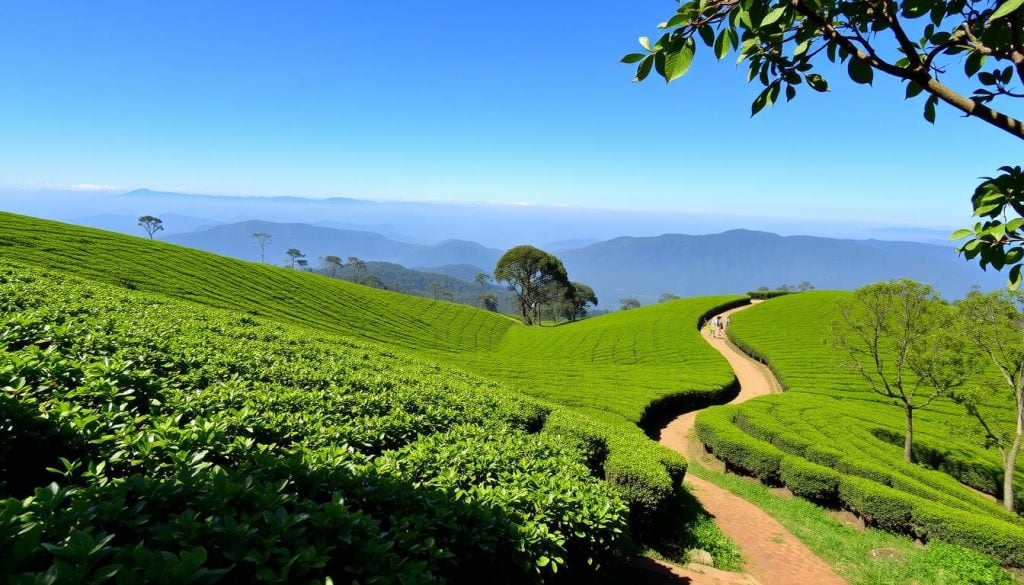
192,445
937,47
609,373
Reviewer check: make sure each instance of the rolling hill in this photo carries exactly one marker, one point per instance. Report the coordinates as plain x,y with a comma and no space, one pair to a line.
609,379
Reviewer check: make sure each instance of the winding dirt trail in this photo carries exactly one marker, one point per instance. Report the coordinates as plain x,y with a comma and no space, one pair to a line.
773,555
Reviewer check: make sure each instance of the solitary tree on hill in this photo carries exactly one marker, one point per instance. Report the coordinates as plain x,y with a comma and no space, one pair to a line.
261,240
629,303
303,264
995,324
294,254
667,296
490,302
898,336
528,271
940,50
151,224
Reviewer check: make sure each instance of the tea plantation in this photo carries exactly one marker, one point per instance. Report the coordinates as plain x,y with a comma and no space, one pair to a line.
829,438
594,381
151,439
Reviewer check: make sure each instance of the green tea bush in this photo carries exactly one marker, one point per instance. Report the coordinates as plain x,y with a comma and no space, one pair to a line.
185,444
608,370
830,439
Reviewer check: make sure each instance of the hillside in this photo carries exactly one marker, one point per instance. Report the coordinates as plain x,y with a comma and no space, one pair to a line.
182,443
605,375
830,438
686,265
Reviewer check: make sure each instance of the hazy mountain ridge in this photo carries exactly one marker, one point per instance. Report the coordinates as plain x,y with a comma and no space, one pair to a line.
742,260
643,267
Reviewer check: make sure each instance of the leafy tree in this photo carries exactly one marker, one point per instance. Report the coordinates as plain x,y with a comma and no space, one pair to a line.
667,296
763,289
528,271
294,254
303,264
995,325
973,45
582,296
898,336
629,303
261,240
358,268
805,286
784,288
331,265
490,302
482,278
151,225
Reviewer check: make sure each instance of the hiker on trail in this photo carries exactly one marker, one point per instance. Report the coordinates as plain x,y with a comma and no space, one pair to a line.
725,325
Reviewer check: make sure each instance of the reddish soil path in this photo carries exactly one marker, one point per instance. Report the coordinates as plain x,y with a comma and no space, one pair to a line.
773,555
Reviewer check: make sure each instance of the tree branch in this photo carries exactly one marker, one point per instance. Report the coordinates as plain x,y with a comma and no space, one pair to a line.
932,85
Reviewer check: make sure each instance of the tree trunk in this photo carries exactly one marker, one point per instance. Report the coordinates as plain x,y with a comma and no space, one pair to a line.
908,441
1010,463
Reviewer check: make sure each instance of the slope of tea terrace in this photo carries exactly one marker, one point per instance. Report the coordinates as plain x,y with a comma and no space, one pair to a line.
189,444
829,437
611,369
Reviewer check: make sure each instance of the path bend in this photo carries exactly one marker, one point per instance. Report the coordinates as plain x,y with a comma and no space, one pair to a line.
773,556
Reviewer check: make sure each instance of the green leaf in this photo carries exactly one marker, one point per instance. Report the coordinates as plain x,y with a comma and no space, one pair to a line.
645,43
974,63
961,234
644,69
723,44
790,93
860,71
1007,7
1015,277
707,34
913,89
774,16
678,63
632,58
816,82
929,109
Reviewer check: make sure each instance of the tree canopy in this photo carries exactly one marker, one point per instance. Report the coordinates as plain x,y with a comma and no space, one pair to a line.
151,224
529,273
968,54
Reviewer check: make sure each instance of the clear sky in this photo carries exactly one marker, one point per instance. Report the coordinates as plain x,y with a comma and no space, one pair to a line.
452,101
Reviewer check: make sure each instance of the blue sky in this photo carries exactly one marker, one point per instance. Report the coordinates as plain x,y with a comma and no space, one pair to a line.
453,101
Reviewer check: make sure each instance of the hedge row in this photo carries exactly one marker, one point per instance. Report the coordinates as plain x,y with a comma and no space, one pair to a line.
769,294
880,505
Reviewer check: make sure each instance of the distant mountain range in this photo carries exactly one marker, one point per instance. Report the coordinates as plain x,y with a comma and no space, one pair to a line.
495,225
730,262
235,240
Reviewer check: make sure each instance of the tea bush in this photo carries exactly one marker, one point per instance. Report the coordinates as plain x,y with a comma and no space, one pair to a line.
186,444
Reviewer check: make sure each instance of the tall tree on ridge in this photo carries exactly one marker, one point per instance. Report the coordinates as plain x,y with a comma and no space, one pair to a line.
527,271
261,240
151,224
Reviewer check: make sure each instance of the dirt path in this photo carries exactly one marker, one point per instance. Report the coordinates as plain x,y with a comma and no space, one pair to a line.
773,555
